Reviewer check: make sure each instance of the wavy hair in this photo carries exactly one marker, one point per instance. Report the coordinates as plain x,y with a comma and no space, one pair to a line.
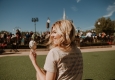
66,29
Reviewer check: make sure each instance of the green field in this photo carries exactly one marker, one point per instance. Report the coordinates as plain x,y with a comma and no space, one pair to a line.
97,66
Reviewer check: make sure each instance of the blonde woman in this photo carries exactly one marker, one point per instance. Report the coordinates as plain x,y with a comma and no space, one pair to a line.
64,60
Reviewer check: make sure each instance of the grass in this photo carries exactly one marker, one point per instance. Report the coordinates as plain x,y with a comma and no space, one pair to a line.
97,66
18,68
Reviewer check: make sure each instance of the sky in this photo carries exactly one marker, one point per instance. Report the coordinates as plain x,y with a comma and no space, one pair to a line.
84,13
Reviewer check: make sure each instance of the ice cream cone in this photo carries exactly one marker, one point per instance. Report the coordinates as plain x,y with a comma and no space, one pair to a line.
32,46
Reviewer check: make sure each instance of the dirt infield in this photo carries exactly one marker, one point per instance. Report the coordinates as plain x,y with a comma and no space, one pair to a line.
25,52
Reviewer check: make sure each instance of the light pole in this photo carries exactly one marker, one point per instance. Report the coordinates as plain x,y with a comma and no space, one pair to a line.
78,29
35,20
16,28
48,24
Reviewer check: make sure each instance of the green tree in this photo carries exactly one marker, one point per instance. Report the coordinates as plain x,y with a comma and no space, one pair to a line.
105,25
3,31
113,23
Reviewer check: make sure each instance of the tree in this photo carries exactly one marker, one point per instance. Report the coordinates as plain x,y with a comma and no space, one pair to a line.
105,25
113,24
3,31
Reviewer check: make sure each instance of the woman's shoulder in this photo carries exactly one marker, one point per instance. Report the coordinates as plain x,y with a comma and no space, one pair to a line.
56,51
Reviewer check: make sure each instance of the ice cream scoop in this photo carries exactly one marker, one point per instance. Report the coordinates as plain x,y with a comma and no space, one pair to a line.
32,45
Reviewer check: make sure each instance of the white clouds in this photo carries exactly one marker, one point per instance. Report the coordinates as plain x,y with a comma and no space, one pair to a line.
74,8
109,14
78,1
110,10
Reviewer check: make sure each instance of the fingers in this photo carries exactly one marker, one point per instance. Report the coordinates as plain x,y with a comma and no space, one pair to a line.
32,56
32,53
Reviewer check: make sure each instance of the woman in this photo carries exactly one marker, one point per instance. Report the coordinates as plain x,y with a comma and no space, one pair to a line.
64,60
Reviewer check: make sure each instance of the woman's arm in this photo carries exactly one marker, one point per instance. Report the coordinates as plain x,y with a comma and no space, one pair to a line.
40,73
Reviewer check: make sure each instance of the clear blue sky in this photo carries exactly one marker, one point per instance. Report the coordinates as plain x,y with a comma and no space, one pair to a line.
84,13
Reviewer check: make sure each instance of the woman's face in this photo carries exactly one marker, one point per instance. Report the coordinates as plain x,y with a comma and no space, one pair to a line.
55,36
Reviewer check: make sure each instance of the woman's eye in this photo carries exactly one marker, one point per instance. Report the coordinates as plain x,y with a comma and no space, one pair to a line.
54,32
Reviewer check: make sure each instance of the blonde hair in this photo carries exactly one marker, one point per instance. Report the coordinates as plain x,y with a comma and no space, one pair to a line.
66,29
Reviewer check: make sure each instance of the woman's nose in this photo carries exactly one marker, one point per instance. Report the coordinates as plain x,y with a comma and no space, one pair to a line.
52,35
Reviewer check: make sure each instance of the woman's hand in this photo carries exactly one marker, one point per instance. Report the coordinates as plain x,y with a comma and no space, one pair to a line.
32,56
